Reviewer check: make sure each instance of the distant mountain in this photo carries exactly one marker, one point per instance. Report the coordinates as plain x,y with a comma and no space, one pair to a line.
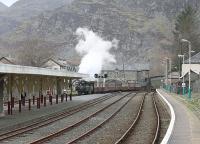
143,27
23,10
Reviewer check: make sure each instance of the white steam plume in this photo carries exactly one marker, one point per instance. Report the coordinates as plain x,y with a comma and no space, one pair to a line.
95,51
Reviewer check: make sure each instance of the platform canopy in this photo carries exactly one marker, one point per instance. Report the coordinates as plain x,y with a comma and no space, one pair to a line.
28,70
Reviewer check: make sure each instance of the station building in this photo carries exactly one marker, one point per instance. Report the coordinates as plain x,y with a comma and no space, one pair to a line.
135,76
61,64
17,80
7,60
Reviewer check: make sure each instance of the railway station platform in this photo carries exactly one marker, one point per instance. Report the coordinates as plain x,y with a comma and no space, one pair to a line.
17,82
186,129
10,121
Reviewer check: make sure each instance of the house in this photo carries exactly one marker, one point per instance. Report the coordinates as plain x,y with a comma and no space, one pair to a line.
137,74
7,60
61,64
194,67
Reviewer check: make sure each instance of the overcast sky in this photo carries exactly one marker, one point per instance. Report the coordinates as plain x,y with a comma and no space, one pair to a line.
8,2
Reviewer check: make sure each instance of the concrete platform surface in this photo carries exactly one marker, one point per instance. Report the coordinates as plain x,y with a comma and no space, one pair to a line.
187,125
26,115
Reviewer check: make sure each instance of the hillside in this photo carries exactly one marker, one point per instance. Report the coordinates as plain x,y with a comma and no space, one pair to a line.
12,17
143,27
24,9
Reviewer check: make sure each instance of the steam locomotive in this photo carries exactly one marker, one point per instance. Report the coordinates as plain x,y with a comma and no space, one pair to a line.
84,87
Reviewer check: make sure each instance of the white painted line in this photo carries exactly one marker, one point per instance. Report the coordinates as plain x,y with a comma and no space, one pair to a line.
172,121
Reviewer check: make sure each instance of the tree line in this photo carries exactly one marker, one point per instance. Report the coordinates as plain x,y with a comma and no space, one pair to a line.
187,24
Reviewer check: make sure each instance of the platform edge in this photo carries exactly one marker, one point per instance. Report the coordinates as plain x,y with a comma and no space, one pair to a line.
172,121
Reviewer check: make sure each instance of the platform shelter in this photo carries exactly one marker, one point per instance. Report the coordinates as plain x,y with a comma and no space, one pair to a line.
32,83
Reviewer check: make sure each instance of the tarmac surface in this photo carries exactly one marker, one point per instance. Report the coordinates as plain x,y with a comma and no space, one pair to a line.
187,126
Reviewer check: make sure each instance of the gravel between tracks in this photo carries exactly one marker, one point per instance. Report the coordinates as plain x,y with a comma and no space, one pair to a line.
44,131
92,122
109,132
164,117
145,128
26,117
115,128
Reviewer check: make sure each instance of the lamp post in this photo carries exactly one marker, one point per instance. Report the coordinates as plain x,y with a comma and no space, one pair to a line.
183,84
162,85
189,74
170,65
166,76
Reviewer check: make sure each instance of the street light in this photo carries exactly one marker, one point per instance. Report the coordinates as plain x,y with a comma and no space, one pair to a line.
170,65
183,84
184,40
162,82
189,43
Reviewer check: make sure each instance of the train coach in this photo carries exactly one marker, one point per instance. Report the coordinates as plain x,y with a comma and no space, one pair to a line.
88,87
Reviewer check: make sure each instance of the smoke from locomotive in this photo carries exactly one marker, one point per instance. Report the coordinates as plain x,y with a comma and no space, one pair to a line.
95,51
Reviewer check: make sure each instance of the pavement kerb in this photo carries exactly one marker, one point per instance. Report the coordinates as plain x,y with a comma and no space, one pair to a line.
172,121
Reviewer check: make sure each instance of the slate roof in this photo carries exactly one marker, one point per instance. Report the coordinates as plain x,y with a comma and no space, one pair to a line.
133,67
9,59
62,62
194,59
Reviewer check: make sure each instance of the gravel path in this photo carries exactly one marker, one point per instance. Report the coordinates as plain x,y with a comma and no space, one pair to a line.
115,128
145,128
44,131
92,122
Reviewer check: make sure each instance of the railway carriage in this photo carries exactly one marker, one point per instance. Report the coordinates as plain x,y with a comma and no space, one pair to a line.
85,87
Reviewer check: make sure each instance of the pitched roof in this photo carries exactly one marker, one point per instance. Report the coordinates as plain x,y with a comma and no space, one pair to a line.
194,59
10,60
51,59
63,62
70,62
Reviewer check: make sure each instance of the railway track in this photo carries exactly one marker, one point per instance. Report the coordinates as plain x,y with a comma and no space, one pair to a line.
133,133
52,118
80,122
143,129
100,124
117,105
